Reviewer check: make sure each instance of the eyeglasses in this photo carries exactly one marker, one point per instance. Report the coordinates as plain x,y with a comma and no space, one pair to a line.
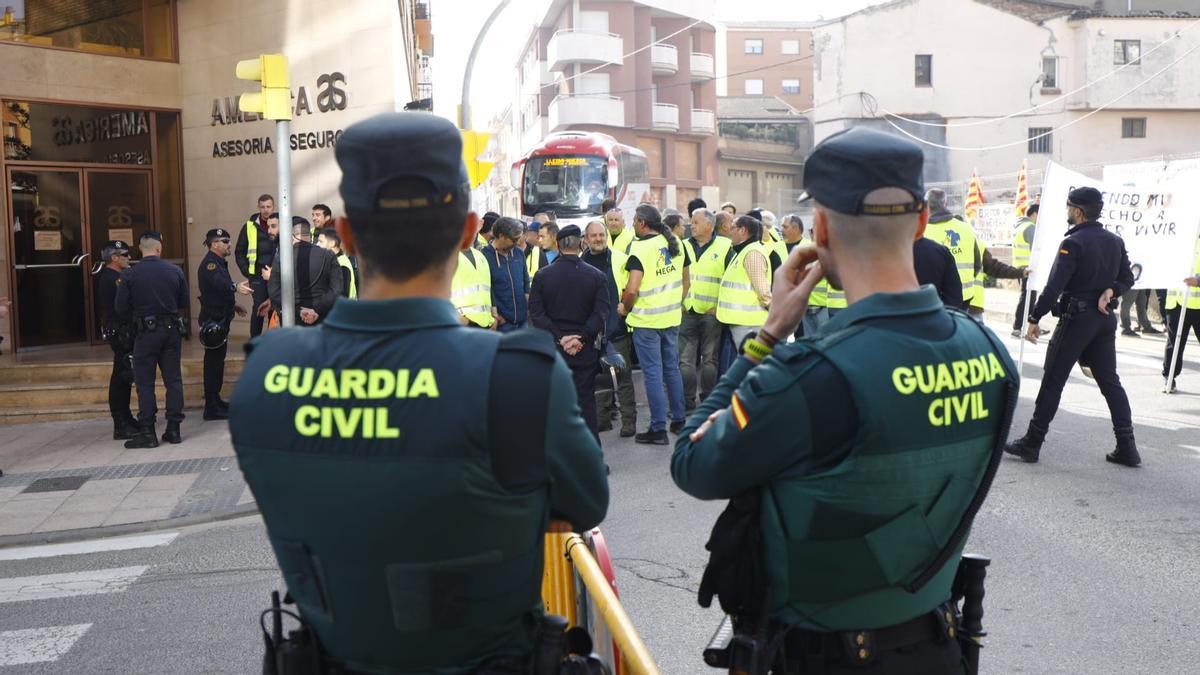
220,241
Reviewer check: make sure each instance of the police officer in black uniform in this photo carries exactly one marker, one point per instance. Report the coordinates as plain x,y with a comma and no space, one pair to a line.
152,295
217,308
1089,275
118,333
404,491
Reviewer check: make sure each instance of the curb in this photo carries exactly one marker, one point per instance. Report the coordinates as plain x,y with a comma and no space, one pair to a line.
87,533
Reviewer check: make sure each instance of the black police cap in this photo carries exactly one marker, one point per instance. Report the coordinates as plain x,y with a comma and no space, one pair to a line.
214,234
569,231
1086,196
116,246
422,149
844,168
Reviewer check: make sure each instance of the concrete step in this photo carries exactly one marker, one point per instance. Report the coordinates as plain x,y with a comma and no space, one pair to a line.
37,396
97,372
80,412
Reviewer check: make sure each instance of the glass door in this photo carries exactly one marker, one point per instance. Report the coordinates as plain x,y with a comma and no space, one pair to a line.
49,257
118,207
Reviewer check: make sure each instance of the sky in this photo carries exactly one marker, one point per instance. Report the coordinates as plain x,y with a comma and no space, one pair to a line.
457,22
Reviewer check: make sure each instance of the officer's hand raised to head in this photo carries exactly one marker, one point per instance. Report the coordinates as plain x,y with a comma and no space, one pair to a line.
1105,298
794,282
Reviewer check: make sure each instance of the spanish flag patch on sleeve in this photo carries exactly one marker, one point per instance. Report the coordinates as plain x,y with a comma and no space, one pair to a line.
739,412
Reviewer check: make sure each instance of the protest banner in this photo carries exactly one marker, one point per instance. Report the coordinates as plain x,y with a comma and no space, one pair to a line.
994,224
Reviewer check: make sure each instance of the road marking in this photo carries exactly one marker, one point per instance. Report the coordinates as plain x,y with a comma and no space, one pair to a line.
46,586
93,546
38,645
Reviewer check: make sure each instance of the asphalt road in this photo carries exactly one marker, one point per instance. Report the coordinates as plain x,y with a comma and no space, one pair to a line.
1096,567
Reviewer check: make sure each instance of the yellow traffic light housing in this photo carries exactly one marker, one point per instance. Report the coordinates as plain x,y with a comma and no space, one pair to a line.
274,102
475,143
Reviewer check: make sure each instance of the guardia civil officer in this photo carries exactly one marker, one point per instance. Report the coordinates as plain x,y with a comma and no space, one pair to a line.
118,333
389,449
862,447
153,295
217,308
1090,273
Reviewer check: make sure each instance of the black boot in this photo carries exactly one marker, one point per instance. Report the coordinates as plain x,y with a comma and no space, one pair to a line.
213,410
1029,446
1126,452
652,437
171,435
222,403
144,439
124,429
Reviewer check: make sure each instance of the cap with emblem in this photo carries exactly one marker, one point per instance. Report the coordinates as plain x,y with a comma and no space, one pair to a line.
844,168
401,161
151,234
569,231
114,247
1086,196
214,234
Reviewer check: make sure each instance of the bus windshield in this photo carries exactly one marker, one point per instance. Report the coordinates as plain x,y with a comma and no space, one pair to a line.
565,185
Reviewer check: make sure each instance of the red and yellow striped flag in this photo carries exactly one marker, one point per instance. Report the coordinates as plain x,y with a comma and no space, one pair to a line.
974,197
1022,192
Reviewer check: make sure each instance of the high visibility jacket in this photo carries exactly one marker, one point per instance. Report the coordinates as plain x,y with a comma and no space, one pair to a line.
480,242
834,298
958,236
886,510
1022,244
351,284
705,275
623,241
471,288
659,301
820,295
254,248
738,304
533,261
776,246
1175,295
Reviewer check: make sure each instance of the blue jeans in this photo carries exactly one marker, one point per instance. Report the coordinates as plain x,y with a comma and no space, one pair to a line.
508,326
658,353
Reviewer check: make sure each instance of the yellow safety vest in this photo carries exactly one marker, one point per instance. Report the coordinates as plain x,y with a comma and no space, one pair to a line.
1022,250
705,275
1175,295
659,302
623,241
344,261
738,303
533,261
251,245
820,295
620,274
775,245
480,241
471,288
958,236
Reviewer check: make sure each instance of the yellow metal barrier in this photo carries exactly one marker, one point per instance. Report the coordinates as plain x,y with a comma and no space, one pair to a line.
633,650
558,579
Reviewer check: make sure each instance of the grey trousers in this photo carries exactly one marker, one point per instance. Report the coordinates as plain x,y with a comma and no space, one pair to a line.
699,341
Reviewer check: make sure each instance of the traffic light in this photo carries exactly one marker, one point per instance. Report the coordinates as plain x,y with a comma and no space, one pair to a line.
475,143
274,102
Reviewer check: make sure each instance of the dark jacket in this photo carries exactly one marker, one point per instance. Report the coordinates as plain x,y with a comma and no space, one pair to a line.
216,289
570,297
266,248
603,262
935,265
510,283
154,287
106,295
983,259
1090,260
318,283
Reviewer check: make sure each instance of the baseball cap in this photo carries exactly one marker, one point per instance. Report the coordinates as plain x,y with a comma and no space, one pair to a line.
422,149
215,233
114,247
844,168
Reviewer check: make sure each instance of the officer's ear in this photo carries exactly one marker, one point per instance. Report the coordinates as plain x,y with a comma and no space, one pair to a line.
820,225
470,229
342,225
924,220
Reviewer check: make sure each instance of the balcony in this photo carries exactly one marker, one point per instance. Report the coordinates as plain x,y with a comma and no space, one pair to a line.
665,116
664,59
568,47
703,121
703,67
568,111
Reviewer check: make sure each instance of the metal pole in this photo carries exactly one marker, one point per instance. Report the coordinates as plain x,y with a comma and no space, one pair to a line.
464,116
284,260
1180,337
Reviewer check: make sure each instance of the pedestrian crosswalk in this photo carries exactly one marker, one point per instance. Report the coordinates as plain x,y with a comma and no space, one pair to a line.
26,646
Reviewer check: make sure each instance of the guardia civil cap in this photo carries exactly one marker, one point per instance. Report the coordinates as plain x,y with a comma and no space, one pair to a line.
396,162
844,168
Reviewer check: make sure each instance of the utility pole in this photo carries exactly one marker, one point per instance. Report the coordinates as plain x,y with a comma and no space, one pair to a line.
464,114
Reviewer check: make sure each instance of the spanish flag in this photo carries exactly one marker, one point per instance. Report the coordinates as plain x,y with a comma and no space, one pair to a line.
974,197
1022,192
739,413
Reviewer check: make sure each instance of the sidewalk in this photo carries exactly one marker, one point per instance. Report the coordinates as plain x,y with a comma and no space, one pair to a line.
70,480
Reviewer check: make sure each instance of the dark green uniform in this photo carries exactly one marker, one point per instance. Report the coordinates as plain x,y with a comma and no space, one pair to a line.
409,539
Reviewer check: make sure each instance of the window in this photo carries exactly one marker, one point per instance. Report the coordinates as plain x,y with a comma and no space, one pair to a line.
924,70
790,46
1041,140
754,46
1127,51
791,86
1133,127
593,22
144,28
592,84
754,88
1049,72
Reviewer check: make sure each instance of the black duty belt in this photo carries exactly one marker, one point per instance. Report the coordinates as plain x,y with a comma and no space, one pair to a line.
861,647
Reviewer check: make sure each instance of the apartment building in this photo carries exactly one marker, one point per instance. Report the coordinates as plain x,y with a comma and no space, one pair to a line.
641,72
769,58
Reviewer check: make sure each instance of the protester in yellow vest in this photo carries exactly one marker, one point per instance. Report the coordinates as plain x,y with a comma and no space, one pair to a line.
1022,246
255,249
816,314
1191,319
700,331
471,289
620,235
652,305
745,291
971,256
327,238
